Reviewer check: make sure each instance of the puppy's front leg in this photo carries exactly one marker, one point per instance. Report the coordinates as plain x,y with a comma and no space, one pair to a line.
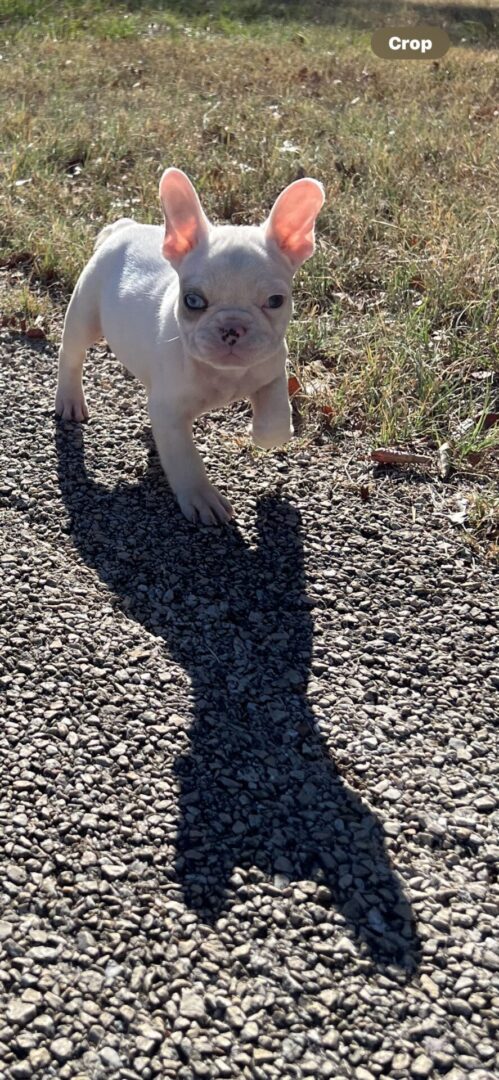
197,498
272,414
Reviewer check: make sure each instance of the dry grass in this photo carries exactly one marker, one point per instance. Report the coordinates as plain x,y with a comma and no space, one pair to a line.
396,316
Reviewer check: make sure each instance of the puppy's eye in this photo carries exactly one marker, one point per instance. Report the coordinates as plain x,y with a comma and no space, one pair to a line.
195,302
275,301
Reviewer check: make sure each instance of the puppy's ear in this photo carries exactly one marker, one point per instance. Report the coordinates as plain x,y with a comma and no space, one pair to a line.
292,218
186,224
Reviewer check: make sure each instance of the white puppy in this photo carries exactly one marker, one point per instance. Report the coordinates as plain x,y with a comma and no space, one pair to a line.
198,312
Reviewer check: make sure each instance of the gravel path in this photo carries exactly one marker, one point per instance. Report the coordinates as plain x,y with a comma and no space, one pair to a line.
249,821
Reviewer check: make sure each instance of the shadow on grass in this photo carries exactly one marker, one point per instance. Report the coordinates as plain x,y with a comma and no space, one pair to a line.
259,787
480,19
478,24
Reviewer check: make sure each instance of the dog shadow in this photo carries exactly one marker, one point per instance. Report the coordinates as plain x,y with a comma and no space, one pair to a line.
258,786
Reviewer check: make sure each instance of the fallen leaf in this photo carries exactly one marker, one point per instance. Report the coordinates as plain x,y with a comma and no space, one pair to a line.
364,493
488,111
400,457
416,283
8,320
16,258
490,420
294,386
35,332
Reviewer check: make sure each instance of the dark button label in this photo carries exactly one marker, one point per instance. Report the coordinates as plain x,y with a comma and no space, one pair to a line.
419,42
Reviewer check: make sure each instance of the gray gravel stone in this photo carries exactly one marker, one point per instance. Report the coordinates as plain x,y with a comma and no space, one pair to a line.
62,1049
192,1006
421,1067
39,1058
20,1012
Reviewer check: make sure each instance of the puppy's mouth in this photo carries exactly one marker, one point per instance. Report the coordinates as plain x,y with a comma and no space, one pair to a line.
226,357
228,353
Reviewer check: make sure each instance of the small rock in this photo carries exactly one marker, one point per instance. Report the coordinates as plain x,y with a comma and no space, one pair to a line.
344,944
110,1057
85,940
16,874
490,960
308,794
234,1016
20,1012
485,1050
32,995
250,1031
44,954
261,1056
393,794
284,865
192,1006
430,987
458,1007
145,1045
39,1058
21,1071
113,871
421,1067
242,952
147,1031
401,1062
485,804
62,1049
292,1048
45,1024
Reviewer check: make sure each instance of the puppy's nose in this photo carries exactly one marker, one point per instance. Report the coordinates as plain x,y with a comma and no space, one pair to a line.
232,332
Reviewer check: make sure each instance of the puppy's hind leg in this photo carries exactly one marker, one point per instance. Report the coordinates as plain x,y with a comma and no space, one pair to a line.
81,329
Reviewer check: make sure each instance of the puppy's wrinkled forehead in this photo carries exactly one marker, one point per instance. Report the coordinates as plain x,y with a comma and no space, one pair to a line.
233,265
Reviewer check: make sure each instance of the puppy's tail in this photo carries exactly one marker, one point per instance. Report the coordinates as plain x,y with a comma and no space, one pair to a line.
108,229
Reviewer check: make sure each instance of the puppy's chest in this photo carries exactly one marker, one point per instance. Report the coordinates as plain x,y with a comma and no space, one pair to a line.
215,390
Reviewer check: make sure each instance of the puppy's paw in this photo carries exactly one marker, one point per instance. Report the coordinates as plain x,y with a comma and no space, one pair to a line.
70,403
205,505
268,439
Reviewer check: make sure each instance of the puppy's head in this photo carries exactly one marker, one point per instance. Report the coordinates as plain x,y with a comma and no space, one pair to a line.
234,299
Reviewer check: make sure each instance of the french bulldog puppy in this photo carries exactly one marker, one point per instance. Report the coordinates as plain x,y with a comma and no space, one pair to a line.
198,312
